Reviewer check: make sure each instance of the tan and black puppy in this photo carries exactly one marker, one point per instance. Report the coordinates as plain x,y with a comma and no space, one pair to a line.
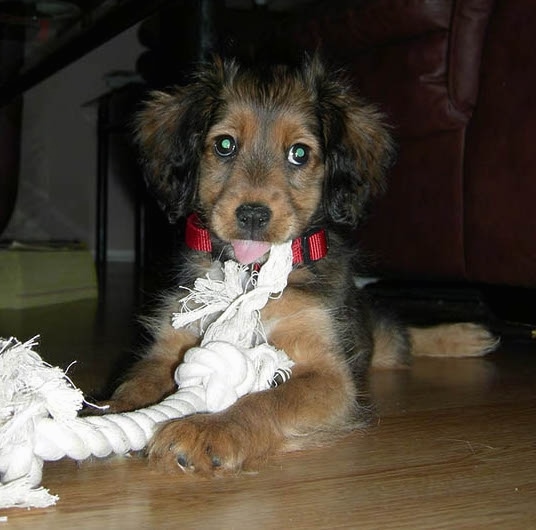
264,157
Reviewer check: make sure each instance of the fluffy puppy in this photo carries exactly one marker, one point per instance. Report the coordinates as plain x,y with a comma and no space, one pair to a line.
266,156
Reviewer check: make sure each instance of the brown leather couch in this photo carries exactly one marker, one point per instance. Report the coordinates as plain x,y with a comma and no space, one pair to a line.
456,79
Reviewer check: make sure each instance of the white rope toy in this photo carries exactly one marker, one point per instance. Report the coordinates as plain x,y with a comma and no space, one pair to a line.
39,404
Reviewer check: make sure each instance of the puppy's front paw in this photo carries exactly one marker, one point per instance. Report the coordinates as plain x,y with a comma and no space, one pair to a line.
205,444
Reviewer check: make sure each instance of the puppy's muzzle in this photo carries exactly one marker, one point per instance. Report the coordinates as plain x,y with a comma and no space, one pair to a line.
253,219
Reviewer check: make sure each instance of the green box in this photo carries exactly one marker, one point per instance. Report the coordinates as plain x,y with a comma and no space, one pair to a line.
41,274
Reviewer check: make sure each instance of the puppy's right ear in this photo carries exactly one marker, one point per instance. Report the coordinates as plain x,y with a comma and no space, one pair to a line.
170,132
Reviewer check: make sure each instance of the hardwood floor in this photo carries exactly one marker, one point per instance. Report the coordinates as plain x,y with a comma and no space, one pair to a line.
454,447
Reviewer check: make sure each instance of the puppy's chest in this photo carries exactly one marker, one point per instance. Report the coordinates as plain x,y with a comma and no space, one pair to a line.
297,302
227,297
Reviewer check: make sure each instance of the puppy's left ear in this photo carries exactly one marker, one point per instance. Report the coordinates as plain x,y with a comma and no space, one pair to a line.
358,147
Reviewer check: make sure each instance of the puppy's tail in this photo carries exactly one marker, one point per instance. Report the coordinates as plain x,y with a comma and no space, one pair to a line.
395,346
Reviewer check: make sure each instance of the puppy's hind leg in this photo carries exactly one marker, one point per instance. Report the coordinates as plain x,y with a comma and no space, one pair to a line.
392,344
462,339
395,344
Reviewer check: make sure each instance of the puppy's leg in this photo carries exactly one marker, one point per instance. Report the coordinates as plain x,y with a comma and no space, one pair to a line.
317,403
152,377
395,345
392,347
452,340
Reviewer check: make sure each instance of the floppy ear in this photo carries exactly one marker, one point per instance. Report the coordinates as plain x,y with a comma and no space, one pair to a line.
358,147
171,131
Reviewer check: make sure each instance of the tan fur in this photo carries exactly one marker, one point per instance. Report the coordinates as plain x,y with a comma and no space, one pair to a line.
452,340
321,320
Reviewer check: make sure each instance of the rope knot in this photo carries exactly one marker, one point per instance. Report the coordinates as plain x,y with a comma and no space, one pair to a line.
227,372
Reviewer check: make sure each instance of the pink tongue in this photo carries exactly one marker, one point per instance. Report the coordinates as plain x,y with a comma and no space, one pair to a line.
249,251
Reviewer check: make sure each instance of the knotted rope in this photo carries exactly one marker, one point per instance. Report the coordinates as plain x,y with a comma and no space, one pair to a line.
39,403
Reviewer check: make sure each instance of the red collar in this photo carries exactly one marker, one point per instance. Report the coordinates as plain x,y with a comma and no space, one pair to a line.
305,249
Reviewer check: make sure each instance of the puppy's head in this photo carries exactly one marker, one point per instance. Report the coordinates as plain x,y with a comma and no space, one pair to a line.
262,155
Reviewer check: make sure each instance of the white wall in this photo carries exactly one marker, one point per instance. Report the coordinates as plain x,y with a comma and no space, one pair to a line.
57,186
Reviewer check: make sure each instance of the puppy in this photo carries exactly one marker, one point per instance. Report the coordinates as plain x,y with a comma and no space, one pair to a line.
264,157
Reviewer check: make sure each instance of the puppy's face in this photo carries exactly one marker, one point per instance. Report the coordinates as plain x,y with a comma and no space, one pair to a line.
262,169
262,156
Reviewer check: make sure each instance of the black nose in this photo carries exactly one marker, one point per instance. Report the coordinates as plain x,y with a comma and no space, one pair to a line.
253,217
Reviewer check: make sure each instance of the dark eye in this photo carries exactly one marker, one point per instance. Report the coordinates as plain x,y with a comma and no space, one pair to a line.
298,154
225,146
